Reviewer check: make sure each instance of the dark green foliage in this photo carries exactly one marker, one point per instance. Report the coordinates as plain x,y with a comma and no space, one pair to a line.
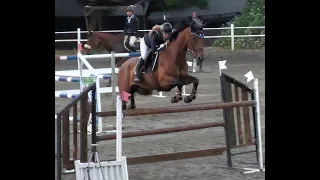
253,15
180,4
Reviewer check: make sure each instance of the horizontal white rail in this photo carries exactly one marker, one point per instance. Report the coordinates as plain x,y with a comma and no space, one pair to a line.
74,32
253,35
99,56
206,37
231,36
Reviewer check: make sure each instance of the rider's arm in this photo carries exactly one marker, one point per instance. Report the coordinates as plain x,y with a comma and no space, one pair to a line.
153,40
125,26
137,24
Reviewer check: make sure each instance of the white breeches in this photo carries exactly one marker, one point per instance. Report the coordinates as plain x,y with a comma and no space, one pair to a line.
143,49
132,40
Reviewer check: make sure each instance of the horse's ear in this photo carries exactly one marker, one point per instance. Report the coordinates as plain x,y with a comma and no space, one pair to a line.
90,33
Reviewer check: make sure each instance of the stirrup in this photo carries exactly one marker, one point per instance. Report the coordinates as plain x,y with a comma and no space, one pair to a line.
137,78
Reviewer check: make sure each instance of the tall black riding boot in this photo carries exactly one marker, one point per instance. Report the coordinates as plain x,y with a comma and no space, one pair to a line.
137,70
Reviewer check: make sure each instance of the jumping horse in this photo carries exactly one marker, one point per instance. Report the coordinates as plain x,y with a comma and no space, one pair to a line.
170,69
118,43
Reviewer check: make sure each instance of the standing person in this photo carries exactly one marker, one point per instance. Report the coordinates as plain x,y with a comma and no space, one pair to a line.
131,27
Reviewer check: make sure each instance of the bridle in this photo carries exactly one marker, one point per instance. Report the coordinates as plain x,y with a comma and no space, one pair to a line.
193,51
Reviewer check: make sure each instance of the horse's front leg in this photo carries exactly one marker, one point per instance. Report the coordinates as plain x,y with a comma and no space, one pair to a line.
178,96
188,80
167,83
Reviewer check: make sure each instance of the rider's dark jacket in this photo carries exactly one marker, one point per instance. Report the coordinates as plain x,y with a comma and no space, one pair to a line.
131,28
154,40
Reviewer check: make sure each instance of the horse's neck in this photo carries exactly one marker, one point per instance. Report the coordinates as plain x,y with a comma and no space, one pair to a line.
178,49
105,44
110,43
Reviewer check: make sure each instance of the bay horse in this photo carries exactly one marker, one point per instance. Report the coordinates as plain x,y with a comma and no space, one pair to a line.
111,42
116,42
171,70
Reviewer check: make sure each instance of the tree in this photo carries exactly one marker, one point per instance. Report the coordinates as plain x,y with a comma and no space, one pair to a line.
181,4
107,2
252,15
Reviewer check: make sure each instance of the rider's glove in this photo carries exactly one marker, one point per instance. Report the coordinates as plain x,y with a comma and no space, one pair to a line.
161,46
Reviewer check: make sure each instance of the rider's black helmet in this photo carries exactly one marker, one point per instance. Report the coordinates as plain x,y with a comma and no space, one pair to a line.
166,28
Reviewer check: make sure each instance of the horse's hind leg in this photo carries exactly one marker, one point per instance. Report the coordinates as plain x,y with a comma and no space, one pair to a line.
188,80
124,105
133,89
132,102
178,96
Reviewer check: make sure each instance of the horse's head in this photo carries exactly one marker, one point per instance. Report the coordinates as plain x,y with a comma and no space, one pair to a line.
92,42
104,40
197,37
191,35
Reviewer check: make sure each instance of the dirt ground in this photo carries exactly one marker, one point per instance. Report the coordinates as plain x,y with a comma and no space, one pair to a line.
206,168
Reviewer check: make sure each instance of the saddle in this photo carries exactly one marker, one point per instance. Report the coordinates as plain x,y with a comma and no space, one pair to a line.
150,63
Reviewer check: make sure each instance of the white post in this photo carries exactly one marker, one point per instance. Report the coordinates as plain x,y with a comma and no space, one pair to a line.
194,65
113,80
256,95
119,129
184,91
160,95
232,37
99,119
259,138
86,63
79,61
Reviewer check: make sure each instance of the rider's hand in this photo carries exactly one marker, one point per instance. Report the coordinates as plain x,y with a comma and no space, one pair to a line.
161,46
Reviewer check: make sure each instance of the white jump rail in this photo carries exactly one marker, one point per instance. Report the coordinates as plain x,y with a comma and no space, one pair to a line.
232,35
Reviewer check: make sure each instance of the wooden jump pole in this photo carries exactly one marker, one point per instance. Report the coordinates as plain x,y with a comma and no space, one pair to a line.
176,109
162,131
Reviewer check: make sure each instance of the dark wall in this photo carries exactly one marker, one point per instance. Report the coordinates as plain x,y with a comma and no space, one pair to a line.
68,8
69,23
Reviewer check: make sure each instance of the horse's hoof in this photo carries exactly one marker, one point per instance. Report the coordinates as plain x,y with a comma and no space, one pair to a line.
132,106
175,99
188,99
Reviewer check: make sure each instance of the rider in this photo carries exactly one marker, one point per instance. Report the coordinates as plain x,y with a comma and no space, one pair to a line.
131,26
156,37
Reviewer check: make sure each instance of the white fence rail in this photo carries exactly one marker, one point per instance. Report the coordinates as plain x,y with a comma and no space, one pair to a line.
231,36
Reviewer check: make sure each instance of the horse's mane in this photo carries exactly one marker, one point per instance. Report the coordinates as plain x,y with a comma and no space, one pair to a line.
197,24
182,25
154,28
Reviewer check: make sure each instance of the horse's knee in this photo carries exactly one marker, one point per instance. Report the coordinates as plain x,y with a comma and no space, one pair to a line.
195,81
